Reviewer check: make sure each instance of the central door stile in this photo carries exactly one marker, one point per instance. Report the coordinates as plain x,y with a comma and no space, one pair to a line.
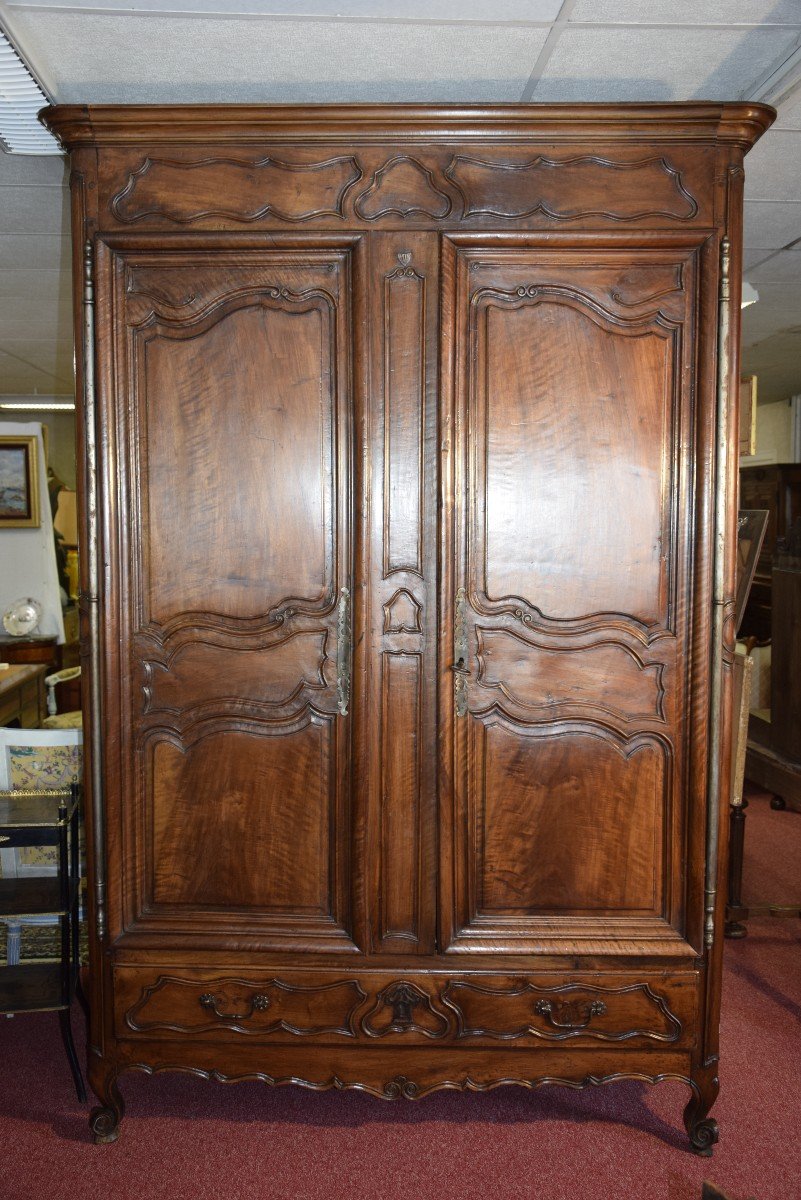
401,585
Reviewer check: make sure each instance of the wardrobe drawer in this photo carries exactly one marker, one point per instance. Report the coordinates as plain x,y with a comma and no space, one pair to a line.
166,1002
417,1008
593,1010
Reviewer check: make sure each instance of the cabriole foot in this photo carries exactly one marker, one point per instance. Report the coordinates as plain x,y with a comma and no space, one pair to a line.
702,1130
105,1126
104,1121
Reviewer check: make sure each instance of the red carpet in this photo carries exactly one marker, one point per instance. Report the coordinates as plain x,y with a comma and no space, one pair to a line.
185,1139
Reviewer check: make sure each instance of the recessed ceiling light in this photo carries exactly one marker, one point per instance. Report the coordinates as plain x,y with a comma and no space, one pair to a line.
37,406
20,101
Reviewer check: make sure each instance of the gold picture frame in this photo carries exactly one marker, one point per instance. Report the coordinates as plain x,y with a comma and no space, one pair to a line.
748,414
19,481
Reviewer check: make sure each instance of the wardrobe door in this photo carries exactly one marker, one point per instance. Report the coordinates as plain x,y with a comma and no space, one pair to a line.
569,542
230,408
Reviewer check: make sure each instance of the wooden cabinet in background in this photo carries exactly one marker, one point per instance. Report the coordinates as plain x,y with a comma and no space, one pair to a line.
22,696
411,768
44,648
776,488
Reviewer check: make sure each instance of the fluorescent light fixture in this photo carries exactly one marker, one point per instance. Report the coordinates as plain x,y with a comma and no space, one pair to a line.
36,406
20,101
750,294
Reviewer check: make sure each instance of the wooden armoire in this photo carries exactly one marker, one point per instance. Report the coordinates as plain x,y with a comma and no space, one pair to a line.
409,497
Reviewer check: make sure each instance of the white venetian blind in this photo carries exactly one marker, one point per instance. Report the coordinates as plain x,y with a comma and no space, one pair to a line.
20,101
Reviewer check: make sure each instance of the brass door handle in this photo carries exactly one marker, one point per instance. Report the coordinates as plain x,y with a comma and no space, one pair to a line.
343,651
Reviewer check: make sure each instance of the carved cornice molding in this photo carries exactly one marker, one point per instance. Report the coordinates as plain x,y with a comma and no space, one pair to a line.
83,125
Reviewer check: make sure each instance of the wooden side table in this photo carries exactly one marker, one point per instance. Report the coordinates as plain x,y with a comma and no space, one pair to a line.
36,649
44,648
22,696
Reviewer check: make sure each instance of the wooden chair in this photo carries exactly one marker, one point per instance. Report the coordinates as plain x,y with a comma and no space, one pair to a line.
69,679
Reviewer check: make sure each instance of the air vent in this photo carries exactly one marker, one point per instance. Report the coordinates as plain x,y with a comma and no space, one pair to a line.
20,101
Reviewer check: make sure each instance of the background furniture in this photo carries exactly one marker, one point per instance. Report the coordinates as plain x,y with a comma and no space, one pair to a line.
22,696
43,819
736,911
68,685
774,747
777,488
773,756
415,755
44,648
37,760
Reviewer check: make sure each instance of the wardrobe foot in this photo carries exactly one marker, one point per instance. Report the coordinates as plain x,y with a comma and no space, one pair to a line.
702,1129
104,1121
105,1126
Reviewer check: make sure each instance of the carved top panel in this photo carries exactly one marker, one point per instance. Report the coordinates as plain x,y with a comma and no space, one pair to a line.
337,186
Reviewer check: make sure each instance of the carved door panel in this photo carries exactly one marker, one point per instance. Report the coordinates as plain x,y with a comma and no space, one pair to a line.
569,499
231,400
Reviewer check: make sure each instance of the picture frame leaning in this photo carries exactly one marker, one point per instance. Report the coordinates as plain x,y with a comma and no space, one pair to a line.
19,481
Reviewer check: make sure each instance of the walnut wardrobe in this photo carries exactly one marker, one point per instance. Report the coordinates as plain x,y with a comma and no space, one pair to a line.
409,494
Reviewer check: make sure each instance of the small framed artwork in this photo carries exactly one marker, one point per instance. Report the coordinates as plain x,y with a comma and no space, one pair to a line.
19,481
748,414
751,526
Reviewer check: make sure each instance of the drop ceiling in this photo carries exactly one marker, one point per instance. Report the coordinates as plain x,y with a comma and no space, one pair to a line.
129,51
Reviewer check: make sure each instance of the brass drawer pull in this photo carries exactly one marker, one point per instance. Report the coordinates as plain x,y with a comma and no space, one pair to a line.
258,1003
570,1014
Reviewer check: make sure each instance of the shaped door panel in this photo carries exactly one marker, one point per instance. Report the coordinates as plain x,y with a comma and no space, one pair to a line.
569,496
233,410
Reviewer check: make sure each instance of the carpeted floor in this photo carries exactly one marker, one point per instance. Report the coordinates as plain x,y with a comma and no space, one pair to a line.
185,1139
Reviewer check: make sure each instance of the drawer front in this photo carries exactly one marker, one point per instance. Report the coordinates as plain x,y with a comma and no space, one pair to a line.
659,1013
235,1006
593,1009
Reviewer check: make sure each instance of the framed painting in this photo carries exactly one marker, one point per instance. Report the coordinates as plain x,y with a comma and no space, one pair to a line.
19,481
751,526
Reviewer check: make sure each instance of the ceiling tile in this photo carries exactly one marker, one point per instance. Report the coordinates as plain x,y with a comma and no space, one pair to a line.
769,226
773,167
411,10
789,113
780,268
49,353
33,169
19,316
750,260
658,64
34,210
775,362
688,12
35,251
50,286
778,308
164,59
43,366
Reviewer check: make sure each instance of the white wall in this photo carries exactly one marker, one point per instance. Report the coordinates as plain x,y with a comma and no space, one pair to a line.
28,556
774,435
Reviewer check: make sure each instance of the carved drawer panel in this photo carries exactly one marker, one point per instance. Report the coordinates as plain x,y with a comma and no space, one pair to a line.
178,1001
522,1010
410,1009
